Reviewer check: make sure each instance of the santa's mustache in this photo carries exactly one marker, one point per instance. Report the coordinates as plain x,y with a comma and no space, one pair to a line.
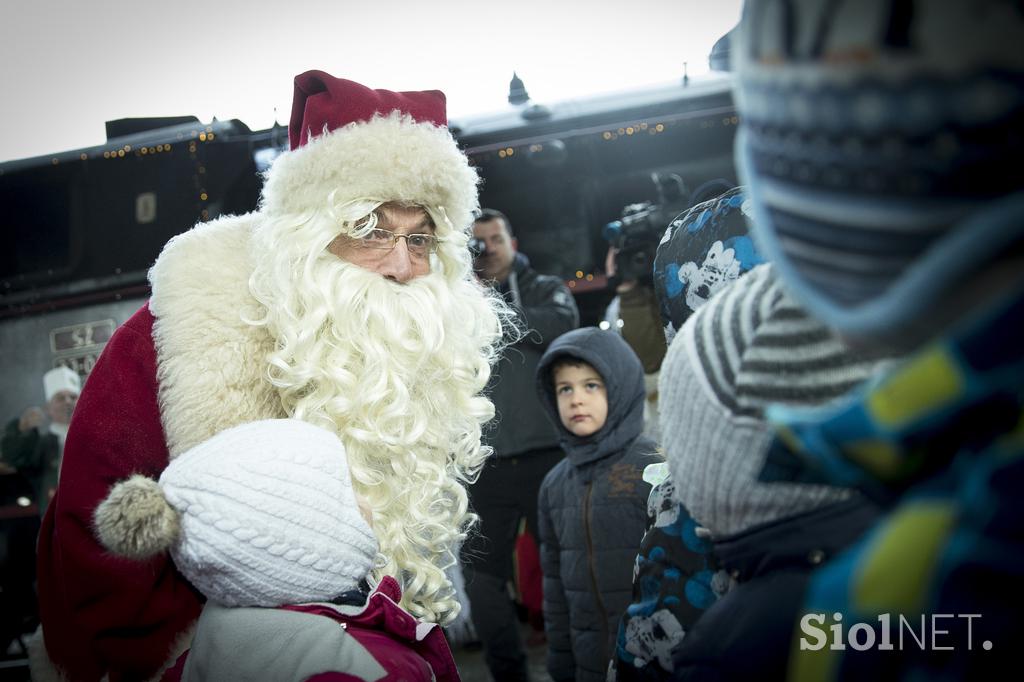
393,342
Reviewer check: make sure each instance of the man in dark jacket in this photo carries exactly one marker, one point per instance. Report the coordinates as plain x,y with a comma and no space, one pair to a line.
593,505
525,445
36,453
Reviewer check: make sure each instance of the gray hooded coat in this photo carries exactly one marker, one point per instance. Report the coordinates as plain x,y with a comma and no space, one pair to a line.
593,509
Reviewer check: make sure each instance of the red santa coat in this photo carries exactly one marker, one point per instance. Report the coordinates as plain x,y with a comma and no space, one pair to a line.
100,612
183,368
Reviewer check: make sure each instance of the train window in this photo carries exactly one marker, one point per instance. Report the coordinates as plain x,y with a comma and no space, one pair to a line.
38,213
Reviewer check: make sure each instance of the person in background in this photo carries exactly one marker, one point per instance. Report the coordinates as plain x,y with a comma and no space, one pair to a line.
635,314
37,455
920,249
347,301
525,445
676,577
592,505
702,249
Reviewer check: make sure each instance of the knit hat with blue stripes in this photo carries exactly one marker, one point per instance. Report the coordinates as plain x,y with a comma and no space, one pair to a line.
880,143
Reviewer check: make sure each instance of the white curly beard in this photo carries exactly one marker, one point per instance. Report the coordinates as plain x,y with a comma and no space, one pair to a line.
397,371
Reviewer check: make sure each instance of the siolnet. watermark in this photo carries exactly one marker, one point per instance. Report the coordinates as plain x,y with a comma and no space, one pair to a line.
934,632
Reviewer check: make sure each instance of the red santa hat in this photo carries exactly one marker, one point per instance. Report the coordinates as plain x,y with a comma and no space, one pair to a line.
360,143
323,103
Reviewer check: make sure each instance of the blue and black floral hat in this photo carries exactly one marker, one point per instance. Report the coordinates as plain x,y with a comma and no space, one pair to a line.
704,249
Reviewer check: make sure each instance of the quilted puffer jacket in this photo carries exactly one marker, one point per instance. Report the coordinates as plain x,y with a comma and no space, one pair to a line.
593,510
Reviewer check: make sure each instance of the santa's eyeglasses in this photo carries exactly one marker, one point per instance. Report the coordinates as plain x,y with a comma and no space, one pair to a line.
385,240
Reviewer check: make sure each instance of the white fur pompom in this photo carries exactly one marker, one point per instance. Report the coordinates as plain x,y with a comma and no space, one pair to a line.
135,520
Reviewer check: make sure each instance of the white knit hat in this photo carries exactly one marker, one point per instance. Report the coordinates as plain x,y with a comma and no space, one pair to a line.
267,516
748,347
61,379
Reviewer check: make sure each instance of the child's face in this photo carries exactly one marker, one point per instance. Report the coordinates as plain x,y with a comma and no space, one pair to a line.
582,398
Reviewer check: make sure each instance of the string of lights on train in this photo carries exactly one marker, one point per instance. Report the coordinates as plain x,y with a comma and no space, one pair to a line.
624,130
190,139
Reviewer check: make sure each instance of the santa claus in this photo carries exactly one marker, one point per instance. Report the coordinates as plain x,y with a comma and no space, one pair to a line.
346,301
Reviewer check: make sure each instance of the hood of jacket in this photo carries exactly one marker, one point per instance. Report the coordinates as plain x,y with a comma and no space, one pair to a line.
623,376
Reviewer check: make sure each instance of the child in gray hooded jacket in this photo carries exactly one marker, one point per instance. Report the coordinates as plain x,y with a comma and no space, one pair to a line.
593,504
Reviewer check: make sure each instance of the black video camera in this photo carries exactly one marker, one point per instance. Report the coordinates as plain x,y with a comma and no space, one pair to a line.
638,232
477,247
636,236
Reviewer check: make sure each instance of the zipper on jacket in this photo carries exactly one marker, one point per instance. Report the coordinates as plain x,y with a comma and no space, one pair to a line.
602,611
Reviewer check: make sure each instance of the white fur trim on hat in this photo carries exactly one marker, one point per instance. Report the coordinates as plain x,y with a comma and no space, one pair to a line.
268,516
61,379
388,158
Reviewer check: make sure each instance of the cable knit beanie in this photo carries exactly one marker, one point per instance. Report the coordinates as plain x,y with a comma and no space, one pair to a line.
750,346
268,516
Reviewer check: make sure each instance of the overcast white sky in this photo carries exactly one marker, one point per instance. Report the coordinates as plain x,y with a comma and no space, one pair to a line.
70,65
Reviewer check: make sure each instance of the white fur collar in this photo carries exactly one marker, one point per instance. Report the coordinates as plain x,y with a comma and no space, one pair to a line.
210,366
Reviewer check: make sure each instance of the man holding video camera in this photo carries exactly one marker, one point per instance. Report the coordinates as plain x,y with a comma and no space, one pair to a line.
524,441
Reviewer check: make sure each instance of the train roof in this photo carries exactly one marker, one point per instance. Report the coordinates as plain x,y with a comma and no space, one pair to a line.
535,121
525,123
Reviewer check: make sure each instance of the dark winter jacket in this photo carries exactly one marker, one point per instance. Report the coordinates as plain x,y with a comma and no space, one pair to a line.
545,309
593,510
746,634
676,579
36,456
